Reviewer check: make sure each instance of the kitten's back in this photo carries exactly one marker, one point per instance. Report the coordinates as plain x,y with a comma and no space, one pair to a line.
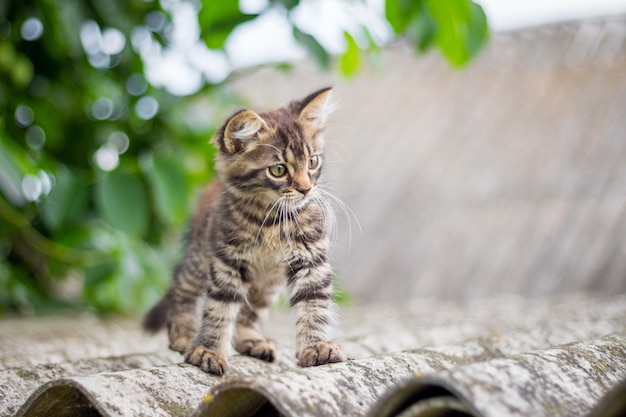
156,318
206,205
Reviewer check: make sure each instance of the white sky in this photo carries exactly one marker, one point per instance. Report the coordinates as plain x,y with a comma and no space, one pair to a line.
514,14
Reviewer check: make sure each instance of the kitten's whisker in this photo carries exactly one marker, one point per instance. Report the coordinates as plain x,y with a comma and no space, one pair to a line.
287,213
327,212
294,213
343,147
333,218
279,226
286,229
267,214
347,212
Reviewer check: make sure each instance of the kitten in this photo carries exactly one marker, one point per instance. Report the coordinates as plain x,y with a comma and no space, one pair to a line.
263,224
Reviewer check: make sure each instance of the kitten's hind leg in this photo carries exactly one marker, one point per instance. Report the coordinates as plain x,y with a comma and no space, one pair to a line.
226,292
182,326
209,350
248,337
182,320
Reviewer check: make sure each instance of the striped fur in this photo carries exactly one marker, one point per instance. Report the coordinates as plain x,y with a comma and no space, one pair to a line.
265,223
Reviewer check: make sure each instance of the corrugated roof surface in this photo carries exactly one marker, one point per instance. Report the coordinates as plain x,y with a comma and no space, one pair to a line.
540,353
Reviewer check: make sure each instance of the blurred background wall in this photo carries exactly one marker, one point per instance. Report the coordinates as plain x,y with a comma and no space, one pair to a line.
507,177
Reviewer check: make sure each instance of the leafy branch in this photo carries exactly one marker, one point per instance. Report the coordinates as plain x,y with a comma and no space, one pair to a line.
42,244
98,166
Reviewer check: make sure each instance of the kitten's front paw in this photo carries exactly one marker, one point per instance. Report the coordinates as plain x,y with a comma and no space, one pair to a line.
264,349
320,354
207,360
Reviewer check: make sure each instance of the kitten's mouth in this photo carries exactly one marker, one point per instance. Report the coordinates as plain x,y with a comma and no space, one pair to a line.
297,198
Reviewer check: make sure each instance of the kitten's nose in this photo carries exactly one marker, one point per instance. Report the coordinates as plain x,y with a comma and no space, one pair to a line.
302,183
303,191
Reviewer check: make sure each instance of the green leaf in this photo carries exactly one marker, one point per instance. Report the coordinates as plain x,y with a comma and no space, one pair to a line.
424,29
218,19
478,29
122,202
400,12
313,46
351,58
462,29
10,179
457,27
288,4
15,163
22,72
96,279
451,17
8,55
169,186
66,201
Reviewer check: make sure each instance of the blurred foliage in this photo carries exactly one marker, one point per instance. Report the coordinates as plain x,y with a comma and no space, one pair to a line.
99,166
457,27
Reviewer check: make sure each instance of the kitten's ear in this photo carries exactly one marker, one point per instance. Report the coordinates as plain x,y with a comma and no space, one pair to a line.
238,131
315,108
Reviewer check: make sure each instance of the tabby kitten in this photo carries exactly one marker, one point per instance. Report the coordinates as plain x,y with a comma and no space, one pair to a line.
263,224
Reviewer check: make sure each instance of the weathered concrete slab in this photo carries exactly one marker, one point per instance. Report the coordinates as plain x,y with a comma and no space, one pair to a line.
118,371
568,380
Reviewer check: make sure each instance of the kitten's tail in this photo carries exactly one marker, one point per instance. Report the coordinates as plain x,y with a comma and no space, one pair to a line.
155,319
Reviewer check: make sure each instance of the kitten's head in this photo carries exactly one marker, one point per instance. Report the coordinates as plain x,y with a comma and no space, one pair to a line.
276,154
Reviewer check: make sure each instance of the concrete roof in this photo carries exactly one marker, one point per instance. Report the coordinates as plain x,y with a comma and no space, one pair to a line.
499,356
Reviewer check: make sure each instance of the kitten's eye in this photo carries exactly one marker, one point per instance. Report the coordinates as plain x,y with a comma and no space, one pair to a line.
314,161
278,170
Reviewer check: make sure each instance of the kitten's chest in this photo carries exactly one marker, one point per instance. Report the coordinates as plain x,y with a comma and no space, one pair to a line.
273,249
275,245
267,263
